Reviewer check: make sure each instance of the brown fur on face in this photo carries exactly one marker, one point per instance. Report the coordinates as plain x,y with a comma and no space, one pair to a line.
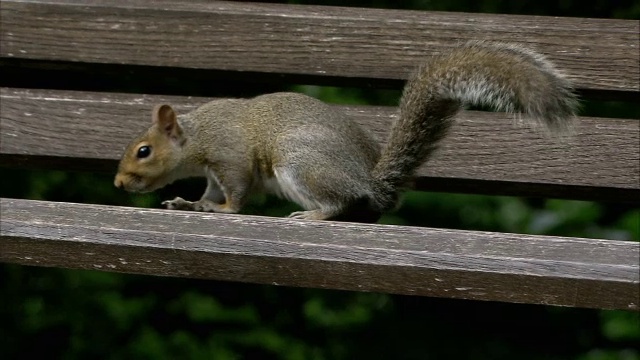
148,173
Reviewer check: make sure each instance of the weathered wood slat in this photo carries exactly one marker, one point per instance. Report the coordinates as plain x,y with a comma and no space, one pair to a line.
599,54
404,260
486,152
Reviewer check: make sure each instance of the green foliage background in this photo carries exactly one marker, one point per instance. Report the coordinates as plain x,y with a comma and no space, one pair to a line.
90,314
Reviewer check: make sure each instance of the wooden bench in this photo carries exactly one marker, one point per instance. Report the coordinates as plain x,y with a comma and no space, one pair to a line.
51,122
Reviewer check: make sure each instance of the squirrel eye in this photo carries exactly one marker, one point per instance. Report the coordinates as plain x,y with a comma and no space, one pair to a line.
143,152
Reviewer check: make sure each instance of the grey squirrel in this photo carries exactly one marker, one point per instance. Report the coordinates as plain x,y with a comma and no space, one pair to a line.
301,149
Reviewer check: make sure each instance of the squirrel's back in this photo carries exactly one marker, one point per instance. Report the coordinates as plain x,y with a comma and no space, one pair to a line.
278,129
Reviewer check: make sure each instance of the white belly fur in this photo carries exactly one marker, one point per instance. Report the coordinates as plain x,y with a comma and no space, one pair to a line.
285,186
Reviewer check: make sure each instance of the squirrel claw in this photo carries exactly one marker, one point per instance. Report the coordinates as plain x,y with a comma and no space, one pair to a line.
297,215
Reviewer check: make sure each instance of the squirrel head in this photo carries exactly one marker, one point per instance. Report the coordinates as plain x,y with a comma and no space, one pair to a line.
150,159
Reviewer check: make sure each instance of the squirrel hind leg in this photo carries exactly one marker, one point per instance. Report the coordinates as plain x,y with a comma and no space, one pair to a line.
293,187
322,197
317,214
357,212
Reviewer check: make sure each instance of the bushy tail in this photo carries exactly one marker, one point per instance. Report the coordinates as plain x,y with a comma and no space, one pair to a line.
505,77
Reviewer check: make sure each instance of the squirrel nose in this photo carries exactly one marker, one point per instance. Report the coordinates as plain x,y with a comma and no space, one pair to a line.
118,182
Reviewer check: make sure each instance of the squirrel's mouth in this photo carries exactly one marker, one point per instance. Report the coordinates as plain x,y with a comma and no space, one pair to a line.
135,183
131,183
140,188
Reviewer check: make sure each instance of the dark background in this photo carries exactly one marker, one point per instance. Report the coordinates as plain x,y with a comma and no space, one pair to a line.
73,314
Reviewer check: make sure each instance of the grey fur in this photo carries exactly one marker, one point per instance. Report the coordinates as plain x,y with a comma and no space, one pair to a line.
506,77
301,149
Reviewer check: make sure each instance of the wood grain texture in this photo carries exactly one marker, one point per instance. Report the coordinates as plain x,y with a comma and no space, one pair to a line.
394,259
486,152
598,54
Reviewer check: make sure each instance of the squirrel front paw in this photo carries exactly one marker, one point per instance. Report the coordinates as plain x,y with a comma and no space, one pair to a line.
178,204
203,205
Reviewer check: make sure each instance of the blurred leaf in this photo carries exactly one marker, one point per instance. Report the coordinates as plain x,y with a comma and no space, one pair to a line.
621,325
631,223
202,308
125,311
601,354
357,311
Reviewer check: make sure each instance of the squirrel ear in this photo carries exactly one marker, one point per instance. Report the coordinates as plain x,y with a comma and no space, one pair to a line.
164,116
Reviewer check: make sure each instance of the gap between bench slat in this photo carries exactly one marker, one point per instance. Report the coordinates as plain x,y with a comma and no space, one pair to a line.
598,54
394,259
486,152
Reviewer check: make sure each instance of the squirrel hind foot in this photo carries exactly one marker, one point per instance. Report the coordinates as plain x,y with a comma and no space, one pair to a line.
317,214
361,215
357,211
